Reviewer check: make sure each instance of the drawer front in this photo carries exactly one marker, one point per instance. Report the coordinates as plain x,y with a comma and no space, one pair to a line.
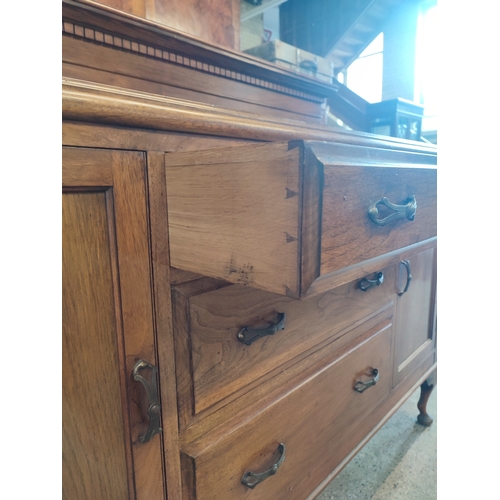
349,236
207,325
318,424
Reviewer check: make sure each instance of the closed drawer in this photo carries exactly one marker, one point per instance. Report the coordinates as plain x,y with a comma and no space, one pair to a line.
319,424
278,216
356,222
217,357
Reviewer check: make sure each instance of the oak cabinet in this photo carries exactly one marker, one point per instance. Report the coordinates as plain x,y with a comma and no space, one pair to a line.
264,383
250,263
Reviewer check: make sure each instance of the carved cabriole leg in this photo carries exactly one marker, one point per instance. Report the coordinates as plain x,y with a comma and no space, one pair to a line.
425,391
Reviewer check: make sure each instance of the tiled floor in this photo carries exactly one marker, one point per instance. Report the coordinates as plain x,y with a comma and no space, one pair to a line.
398,463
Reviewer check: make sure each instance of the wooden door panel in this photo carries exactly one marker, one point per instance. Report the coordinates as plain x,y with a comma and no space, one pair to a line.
415,313
109,310
84,167
94,455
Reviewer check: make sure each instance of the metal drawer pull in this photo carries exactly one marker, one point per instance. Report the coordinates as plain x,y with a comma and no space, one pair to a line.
248,335
252,479
406,263
154,407
400,211
365,284
362,386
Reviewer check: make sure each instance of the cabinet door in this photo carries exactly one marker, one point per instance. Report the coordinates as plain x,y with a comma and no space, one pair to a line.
107,328
415,312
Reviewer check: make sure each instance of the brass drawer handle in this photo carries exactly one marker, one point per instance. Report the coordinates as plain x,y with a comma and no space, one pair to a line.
407,210
409,277
154,407
248,335
365,284
362,386
252,479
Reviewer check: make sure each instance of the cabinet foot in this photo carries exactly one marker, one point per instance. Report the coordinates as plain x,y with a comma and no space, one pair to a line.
425,391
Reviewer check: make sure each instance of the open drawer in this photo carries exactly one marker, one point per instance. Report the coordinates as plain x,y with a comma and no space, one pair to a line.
277,216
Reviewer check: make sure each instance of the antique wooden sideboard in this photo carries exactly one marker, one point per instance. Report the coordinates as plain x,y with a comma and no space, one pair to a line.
248,294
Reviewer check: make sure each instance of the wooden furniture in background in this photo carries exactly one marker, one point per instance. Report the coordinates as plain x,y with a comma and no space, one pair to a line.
215,22
273,382
397,118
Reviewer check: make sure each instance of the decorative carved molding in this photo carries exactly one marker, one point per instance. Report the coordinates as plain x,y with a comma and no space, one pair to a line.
122,43
99,103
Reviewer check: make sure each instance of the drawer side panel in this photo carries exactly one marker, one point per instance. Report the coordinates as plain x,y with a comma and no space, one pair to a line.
237,221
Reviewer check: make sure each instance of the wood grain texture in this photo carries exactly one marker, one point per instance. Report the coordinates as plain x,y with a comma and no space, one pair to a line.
98,103
210,213
235,411
310,223
212,21
94,451
115,26
415,314
343,276
220,99
135,7
93,135
340,153
111,27
161,277
215,21
183,360
223,408
221,365
381,415
234,215
311,422
126,32
86,167
132,236
133,71
130,282
349,236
